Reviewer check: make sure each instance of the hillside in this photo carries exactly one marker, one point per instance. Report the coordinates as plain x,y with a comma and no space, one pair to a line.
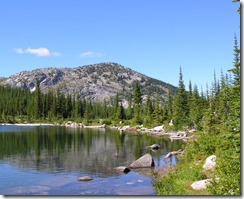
96,82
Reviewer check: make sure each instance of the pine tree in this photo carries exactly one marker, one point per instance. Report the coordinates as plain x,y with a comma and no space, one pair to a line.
105,111
180,104
37,103
236,70
148,112
168,107
157,119
195,107
120,112
137,103
129,110
87,111
116,107
137,94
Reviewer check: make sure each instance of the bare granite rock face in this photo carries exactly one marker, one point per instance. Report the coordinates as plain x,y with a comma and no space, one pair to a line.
94,82
145,161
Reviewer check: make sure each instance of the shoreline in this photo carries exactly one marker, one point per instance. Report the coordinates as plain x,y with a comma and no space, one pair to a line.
155,132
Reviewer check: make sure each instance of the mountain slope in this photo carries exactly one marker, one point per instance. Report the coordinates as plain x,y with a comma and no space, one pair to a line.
96,82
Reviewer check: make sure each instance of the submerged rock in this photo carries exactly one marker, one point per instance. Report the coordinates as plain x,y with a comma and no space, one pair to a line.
122,169
85,178
145,161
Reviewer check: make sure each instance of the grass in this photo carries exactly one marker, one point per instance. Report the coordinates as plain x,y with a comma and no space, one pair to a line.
177,180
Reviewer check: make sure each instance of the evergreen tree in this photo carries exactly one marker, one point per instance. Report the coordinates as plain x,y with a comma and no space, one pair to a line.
148,112
157,111
105,111
87,111
137,94
37,103
116,107
180,104
129,110
120,112
168,107
195,107
236,70
137,103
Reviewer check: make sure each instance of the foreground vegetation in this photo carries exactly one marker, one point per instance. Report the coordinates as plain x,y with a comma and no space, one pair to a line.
219,135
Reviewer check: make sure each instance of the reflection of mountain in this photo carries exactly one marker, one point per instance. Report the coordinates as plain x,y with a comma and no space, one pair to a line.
60,149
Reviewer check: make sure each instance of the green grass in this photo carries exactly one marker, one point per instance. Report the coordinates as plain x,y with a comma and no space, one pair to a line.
178,180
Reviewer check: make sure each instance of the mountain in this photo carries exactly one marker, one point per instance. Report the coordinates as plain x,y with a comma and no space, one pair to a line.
96,82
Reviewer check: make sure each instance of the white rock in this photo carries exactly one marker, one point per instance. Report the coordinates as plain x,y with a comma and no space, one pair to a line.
210,163
202,184
158,128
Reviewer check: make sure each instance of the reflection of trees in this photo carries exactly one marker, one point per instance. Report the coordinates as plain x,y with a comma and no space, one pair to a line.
55,149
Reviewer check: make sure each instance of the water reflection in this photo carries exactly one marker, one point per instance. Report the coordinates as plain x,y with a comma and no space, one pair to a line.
58,149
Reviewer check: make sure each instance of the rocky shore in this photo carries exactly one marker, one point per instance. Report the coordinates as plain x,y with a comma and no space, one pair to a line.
157,131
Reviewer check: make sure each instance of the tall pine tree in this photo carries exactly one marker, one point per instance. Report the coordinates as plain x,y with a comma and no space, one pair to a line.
180,105
137,101
38,101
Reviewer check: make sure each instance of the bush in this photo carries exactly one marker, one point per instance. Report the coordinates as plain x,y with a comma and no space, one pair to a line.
106,121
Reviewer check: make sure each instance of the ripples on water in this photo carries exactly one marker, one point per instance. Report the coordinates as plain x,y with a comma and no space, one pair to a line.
48,160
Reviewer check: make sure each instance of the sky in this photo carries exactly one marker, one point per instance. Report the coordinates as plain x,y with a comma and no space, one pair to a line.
154,37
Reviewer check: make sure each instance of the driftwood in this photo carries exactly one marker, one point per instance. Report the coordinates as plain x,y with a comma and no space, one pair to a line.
94,127
172,153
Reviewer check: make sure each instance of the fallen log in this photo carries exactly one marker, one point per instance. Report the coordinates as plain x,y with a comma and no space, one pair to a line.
172,153
94,127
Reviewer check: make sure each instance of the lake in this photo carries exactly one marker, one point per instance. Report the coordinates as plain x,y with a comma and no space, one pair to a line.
48,160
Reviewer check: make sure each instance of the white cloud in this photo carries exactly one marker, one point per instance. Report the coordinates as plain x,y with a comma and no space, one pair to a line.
91,54
18,50
40,52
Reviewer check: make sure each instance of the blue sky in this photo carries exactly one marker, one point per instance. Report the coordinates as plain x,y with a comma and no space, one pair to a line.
153,37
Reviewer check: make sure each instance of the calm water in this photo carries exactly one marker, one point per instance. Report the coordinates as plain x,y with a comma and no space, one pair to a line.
49,160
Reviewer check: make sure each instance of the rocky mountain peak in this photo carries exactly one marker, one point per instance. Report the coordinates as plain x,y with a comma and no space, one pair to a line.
96,82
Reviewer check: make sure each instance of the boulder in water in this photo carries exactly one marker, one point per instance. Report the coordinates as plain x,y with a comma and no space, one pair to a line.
145,161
